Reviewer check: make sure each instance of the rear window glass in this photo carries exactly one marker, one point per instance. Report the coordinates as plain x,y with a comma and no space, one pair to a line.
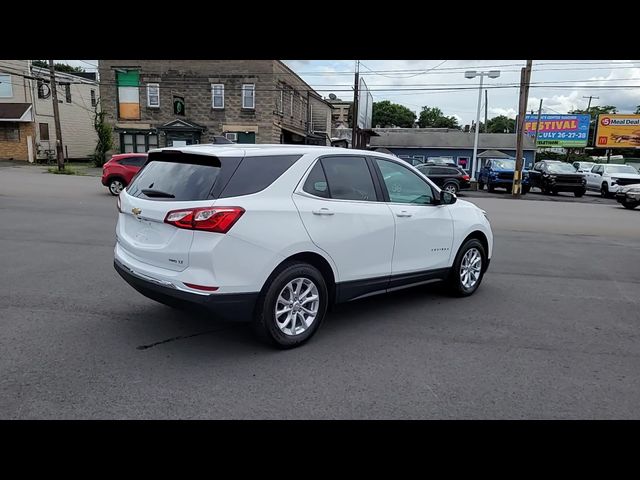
177,181
257,173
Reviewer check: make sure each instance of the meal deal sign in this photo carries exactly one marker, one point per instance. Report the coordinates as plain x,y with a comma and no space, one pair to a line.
618,131
559,130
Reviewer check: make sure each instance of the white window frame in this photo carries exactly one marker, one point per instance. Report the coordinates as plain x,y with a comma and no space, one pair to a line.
149,86
252,87
233,136
213,95
281,106
9,82
292,95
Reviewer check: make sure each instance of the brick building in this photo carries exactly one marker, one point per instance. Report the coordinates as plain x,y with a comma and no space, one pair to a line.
153,103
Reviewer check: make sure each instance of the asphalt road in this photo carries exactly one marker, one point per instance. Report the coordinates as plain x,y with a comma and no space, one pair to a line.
553,332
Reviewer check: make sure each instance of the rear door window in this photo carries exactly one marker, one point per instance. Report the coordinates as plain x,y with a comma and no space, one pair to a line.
316,182
349,178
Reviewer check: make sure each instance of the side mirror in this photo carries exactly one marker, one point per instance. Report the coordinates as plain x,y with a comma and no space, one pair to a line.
447,198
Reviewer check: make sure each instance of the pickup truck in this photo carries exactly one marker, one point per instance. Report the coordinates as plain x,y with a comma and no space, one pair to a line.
607,178
498,173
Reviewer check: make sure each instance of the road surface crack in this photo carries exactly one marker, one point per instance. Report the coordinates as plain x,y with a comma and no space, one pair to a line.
181,337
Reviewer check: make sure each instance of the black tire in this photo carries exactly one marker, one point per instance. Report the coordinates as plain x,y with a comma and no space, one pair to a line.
509,189
630,206
265,319
112,185
480,185
455,282
579,193
490,188
525,190
604,191
554,192
451,184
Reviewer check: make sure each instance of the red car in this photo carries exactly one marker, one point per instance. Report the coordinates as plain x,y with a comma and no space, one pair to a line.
120,169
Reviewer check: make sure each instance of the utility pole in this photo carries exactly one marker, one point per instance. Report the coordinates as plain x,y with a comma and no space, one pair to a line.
525,77
486,104
354,116
590,97
56,116
589,131
538,122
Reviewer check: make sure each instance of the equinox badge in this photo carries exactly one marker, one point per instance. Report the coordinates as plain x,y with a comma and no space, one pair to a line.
136,211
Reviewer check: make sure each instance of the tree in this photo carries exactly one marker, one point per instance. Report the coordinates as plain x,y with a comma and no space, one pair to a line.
105,139
434,118
501,124
60,67
387,114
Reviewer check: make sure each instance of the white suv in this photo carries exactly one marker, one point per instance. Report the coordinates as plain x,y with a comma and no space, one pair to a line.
277,233
607,178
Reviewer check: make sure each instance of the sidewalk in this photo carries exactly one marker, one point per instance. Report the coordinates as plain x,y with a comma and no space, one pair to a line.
84,169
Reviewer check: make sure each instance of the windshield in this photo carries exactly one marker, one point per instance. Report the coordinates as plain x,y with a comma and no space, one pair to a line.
621,169
561,168
505,164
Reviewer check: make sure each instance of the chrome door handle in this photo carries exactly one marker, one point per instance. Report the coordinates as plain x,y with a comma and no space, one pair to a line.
403,213
323,211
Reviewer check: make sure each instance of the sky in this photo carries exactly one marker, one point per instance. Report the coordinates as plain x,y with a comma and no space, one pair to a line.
561,84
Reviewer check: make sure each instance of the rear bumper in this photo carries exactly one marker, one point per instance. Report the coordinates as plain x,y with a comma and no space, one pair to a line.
226,306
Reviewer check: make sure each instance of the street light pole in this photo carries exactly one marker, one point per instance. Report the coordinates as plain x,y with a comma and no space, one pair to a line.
473,74
474,161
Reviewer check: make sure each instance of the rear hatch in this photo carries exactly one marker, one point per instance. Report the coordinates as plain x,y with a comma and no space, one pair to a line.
171,180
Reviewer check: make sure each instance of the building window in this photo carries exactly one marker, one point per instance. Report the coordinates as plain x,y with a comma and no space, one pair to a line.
249,96
128,94
136,142
43,89
44,131
217,95
67,93
233,136
9,132
280,106
153,95
6,89
93,98
291,108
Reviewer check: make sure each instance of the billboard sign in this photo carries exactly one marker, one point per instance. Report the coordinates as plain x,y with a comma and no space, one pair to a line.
559,130
618,131
365,105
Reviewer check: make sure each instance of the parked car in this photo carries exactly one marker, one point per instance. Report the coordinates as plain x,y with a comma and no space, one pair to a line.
552,177
583,167
120,169
275,234
607,178
449,179
629,195
498,173
445,162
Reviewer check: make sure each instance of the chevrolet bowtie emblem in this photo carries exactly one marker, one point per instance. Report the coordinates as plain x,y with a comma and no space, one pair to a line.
136,211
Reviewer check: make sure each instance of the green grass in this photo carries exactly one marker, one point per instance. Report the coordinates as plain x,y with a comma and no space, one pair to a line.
64,171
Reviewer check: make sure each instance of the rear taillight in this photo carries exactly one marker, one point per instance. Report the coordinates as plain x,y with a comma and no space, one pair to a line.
209,219
466,178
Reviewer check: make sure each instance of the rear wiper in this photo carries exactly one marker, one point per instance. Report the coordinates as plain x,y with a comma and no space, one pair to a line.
156,193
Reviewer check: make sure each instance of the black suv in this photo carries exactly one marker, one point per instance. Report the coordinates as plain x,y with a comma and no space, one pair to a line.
552,177
450,179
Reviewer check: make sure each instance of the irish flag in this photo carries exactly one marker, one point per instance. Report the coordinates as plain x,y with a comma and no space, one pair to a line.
128,95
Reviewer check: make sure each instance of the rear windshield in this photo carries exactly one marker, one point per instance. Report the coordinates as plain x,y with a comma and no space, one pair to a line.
561,168
188,177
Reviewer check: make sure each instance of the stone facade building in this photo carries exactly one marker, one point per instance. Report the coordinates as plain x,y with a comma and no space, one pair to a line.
156,103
